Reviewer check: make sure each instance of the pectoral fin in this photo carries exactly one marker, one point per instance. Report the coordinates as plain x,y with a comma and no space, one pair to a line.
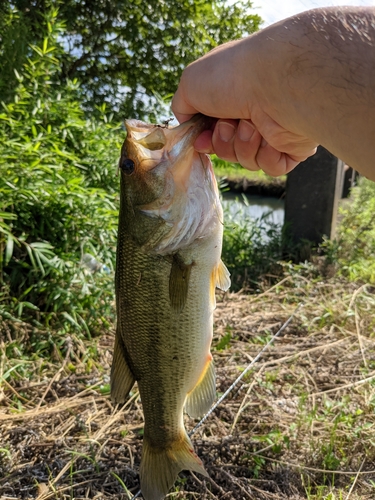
200,399
122,379
222,277
179,283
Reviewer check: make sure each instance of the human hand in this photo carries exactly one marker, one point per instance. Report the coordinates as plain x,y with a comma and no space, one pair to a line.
220,85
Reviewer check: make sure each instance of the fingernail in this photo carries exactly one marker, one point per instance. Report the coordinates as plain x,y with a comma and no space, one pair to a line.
206,151
226,131
263,143
245,130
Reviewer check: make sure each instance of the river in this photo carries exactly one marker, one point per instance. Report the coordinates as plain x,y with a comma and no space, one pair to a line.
256,207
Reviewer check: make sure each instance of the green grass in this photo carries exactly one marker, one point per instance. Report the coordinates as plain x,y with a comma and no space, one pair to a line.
234,171
252,249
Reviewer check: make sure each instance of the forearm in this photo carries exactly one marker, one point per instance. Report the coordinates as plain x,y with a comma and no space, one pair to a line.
314,74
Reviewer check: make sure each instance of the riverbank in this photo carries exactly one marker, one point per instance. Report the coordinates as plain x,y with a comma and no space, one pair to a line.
271,187
239,180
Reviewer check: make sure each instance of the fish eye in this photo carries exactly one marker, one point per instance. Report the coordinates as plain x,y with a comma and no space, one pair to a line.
127,166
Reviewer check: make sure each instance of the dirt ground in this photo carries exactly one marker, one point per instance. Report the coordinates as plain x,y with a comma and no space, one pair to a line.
298,426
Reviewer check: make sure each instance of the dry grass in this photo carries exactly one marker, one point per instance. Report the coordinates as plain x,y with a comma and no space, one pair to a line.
299,426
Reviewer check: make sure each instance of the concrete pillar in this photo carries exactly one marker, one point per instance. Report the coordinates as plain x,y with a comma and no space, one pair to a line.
350,178
313,191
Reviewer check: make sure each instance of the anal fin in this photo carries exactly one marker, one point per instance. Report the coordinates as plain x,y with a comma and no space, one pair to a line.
200,399
122,378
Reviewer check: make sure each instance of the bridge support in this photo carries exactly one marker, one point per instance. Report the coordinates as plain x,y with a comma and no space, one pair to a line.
313,191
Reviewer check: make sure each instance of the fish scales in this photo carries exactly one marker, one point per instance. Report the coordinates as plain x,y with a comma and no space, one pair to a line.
165,292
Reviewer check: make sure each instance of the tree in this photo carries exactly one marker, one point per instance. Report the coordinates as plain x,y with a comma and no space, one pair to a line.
128,53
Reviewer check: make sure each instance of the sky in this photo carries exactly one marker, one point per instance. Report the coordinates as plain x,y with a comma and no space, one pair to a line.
272,11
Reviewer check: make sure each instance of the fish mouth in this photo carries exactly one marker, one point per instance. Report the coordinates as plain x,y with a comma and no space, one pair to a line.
179,155
185,134
154,144
189,201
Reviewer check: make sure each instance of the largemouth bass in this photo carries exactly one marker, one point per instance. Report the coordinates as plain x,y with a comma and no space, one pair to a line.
168,265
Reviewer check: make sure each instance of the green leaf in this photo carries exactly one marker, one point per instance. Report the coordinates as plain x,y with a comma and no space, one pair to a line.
5,376
8,215
41,245
30,306
9,249
18,76
31,255
71,319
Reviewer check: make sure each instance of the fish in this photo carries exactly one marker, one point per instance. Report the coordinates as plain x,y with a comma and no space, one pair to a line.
168,266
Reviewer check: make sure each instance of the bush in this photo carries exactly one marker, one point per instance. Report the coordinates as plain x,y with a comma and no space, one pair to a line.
57,198
251,249
353,250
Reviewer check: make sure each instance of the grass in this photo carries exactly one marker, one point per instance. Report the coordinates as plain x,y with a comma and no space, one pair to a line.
353,250
224,169
299,426
252,248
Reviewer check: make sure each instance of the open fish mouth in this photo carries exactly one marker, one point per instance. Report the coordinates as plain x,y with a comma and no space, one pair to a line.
154,144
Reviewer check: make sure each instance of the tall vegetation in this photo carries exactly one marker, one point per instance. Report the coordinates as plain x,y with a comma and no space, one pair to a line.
353,250
59,201
252,249
57,196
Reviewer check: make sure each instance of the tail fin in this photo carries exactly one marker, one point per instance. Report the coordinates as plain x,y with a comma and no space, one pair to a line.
160,467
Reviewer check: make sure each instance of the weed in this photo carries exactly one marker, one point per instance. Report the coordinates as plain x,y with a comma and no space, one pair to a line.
352,252
251,249
128,493
224,342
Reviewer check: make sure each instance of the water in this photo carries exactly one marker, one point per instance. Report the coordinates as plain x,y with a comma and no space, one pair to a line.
272,209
